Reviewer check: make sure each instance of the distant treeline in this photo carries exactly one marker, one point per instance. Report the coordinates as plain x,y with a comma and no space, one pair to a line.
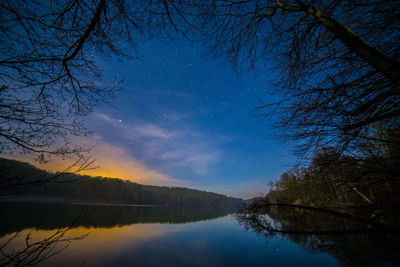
98,189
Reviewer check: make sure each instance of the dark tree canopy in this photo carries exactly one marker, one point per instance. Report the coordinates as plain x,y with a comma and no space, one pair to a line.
49,74
338,62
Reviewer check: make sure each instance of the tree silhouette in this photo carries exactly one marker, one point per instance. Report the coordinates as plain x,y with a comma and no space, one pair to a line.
337,62
49,74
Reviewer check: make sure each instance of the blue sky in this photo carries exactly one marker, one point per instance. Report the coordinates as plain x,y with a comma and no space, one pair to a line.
190,119
183,119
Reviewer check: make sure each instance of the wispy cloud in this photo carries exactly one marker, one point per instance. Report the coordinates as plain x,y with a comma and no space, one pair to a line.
160,146
153,131
198,162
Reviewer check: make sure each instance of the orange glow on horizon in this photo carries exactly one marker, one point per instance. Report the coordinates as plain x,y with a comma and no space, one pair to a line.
112,162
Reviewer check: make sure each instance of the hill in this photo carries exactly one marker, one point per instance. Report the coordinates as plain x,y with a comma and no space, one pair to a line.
83,188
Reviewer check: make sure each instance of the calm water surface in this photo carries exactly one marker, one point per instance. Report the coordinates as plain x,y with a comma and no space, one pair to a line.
88,235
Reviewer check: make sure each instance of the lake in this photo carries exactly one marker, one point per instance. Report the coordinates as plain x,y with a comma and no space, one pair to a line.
97,235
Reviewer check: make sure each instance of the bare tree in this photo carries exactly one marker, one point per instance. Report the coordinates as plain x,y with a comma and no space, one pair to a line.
49,74
338,62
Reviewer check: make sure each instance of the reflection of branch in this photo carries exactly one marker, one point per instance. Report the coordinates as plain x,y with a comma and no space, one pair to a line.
257,223
261,206
254,217
36,252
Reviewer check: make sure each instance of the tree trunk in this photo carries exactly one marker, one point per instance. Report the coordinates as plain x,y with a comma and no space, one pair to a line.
388,67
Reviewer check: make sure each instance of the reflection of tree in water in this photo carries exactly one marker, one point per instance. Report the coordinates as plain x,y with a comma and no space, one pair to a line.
35,252
26,250
47,216
18,248
351,242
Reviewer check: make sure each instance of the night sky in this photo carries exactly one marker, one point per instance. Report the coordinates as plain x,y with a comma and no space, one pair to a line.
186,119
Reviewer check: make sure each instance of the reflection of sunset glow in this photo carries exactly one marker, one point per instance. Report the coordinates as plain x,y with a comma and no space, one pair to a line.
105,242
111,161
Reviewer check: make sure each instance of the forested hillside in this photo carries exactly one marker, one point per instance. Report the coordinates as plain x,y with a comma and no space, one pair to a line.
99,189
369,179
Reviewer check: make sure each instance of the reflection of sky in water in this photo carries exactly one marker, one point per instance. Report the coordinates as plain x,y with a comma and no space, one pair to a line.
219,241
